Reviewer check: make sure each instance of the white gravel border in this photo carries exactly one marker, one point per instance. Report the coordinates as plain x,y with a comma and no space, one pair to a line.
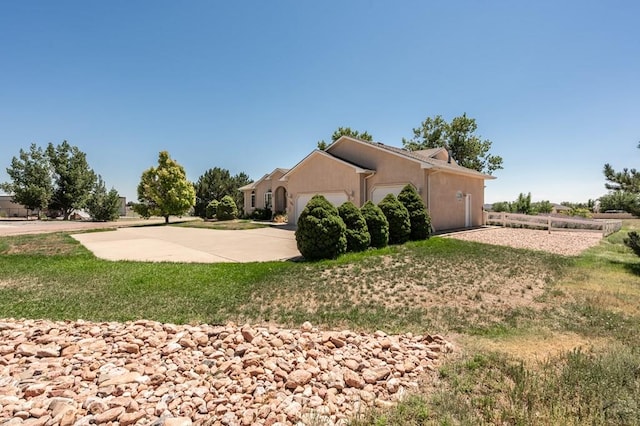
557,242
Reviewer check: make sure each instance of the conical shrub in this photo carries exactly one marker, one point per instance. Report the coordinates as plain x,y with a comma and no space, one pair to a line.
321,233
358,238
377,224
398,217
418,214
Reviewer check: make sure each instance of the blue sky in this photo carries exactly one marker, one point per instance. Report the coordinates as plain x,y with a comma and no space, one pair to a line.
253,85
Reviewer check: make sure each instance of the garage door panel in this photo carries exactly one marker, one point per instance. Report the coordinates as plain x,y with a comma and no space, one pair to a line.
379,192
335,198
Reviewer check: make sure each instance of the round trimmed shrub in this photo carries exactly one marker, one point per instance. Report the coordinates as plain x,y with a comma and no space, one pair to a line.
227,209
358,238
212,209
321,233
377,224
398,217
418,214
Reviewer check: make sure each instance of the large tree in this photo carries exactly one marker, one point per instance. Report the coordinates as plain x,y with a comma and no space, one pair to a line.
459,138
216,183
345,131
164,190
73,178
30,175
624,186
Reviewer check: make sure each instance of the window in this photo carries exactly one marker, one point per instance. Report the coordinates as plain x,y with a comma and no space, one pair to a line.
267,199
253,199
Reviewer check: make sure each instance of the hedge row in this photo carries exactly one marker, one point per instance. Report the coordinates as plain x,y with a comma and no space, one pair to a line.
325,232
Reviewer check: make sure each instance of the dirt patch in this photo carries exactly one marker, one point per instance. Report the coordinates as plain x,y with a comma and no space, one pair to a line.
540,348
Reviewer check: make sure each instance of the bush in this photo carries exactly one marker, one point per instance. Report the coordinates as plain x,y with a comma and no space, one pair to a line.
227,209
398,217
261,214
358,237
377,224
103,206
418,215
211,210
321,233
633,242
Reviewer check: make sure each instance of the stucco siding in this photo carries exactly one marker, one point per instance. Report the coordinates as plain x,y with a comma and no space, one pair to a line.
447,202
322,174
389,169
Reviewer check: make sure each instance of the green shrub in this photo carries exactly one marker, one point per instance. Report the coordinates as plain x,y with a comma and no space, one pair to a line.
358,238
321,233
212,209
261,214
633,242
398,217
418,215
227,209
377,224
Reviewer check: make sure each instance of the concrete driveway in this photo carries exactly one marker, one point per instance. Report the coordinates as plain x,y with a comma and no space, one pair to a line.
178,244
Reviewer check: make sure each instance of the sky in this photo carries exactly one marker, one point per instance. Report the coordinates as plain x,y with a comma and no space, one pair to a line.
249,86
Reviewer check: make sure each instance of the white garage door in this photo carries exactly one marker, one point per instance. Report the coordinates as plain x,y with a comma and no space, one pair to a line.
379,192
335,198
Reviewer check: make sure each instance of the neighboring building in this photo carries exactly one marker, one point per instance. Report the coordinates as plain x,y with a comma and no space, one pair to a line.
358,171
10,209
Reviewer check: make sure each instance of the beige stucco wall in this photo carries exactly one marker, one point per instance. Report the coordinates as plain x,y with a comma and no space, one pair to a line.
390,169
322,174
446,209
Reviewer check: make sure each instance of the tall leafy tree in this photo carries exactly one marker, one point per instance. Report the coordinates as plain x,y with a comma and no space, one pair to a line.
103,206
459,137
624,187
73,178
164,190
30,175
345,131
217,183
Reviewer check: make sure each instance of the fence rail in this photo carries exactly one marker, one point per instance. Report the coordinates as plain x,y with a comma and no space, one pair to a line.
606,227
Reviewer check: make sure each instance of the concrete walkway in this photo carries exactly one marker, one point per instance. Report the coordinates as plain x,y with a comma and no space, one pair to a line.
178,244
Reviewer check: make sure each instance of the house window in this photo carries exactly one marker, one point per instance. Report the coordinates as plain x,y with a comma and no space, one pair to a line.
253,199
267,199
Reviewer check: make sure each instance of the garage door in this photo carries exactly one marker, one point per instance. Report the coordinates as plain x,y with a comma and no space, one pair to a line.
379,192
335,198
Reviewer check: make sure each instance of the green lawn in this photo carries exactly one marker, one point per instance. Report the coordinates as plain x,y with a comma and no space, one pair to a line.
516,315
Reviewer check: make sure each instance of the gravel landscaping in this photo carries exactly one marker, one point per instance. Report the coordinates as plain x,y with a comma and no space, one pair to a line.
146,372
557,242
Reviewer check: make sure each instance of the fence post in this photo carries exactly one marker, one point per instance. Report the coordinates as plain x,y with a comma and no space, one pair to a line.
504,219
549,224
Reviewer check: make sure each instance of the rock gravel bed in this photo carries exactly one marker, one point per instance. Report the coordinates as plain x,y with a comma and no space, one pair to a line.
557,242
146,372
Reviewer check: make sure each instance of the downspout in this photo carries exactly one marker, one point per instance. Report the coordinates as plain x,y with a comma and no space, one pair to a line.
366,187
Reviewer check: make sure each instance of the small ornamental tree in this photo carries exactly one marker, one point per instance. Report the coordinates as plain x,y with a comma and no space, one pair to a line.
212,209
103,206
358,238
377,224
418,215
321,233
227,209
398,217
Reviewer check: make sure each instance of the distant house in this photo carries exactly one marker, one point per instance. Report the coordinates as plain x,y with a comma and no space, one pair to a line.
358,171
10,209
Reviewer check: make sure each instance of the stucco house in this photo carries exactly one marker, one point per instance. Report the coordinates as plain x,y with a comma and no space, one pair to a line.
358,171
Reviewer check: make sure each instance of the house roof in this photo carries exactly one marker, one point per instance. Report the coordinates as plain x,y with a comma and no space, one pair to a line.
317,152
268,176
424,157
